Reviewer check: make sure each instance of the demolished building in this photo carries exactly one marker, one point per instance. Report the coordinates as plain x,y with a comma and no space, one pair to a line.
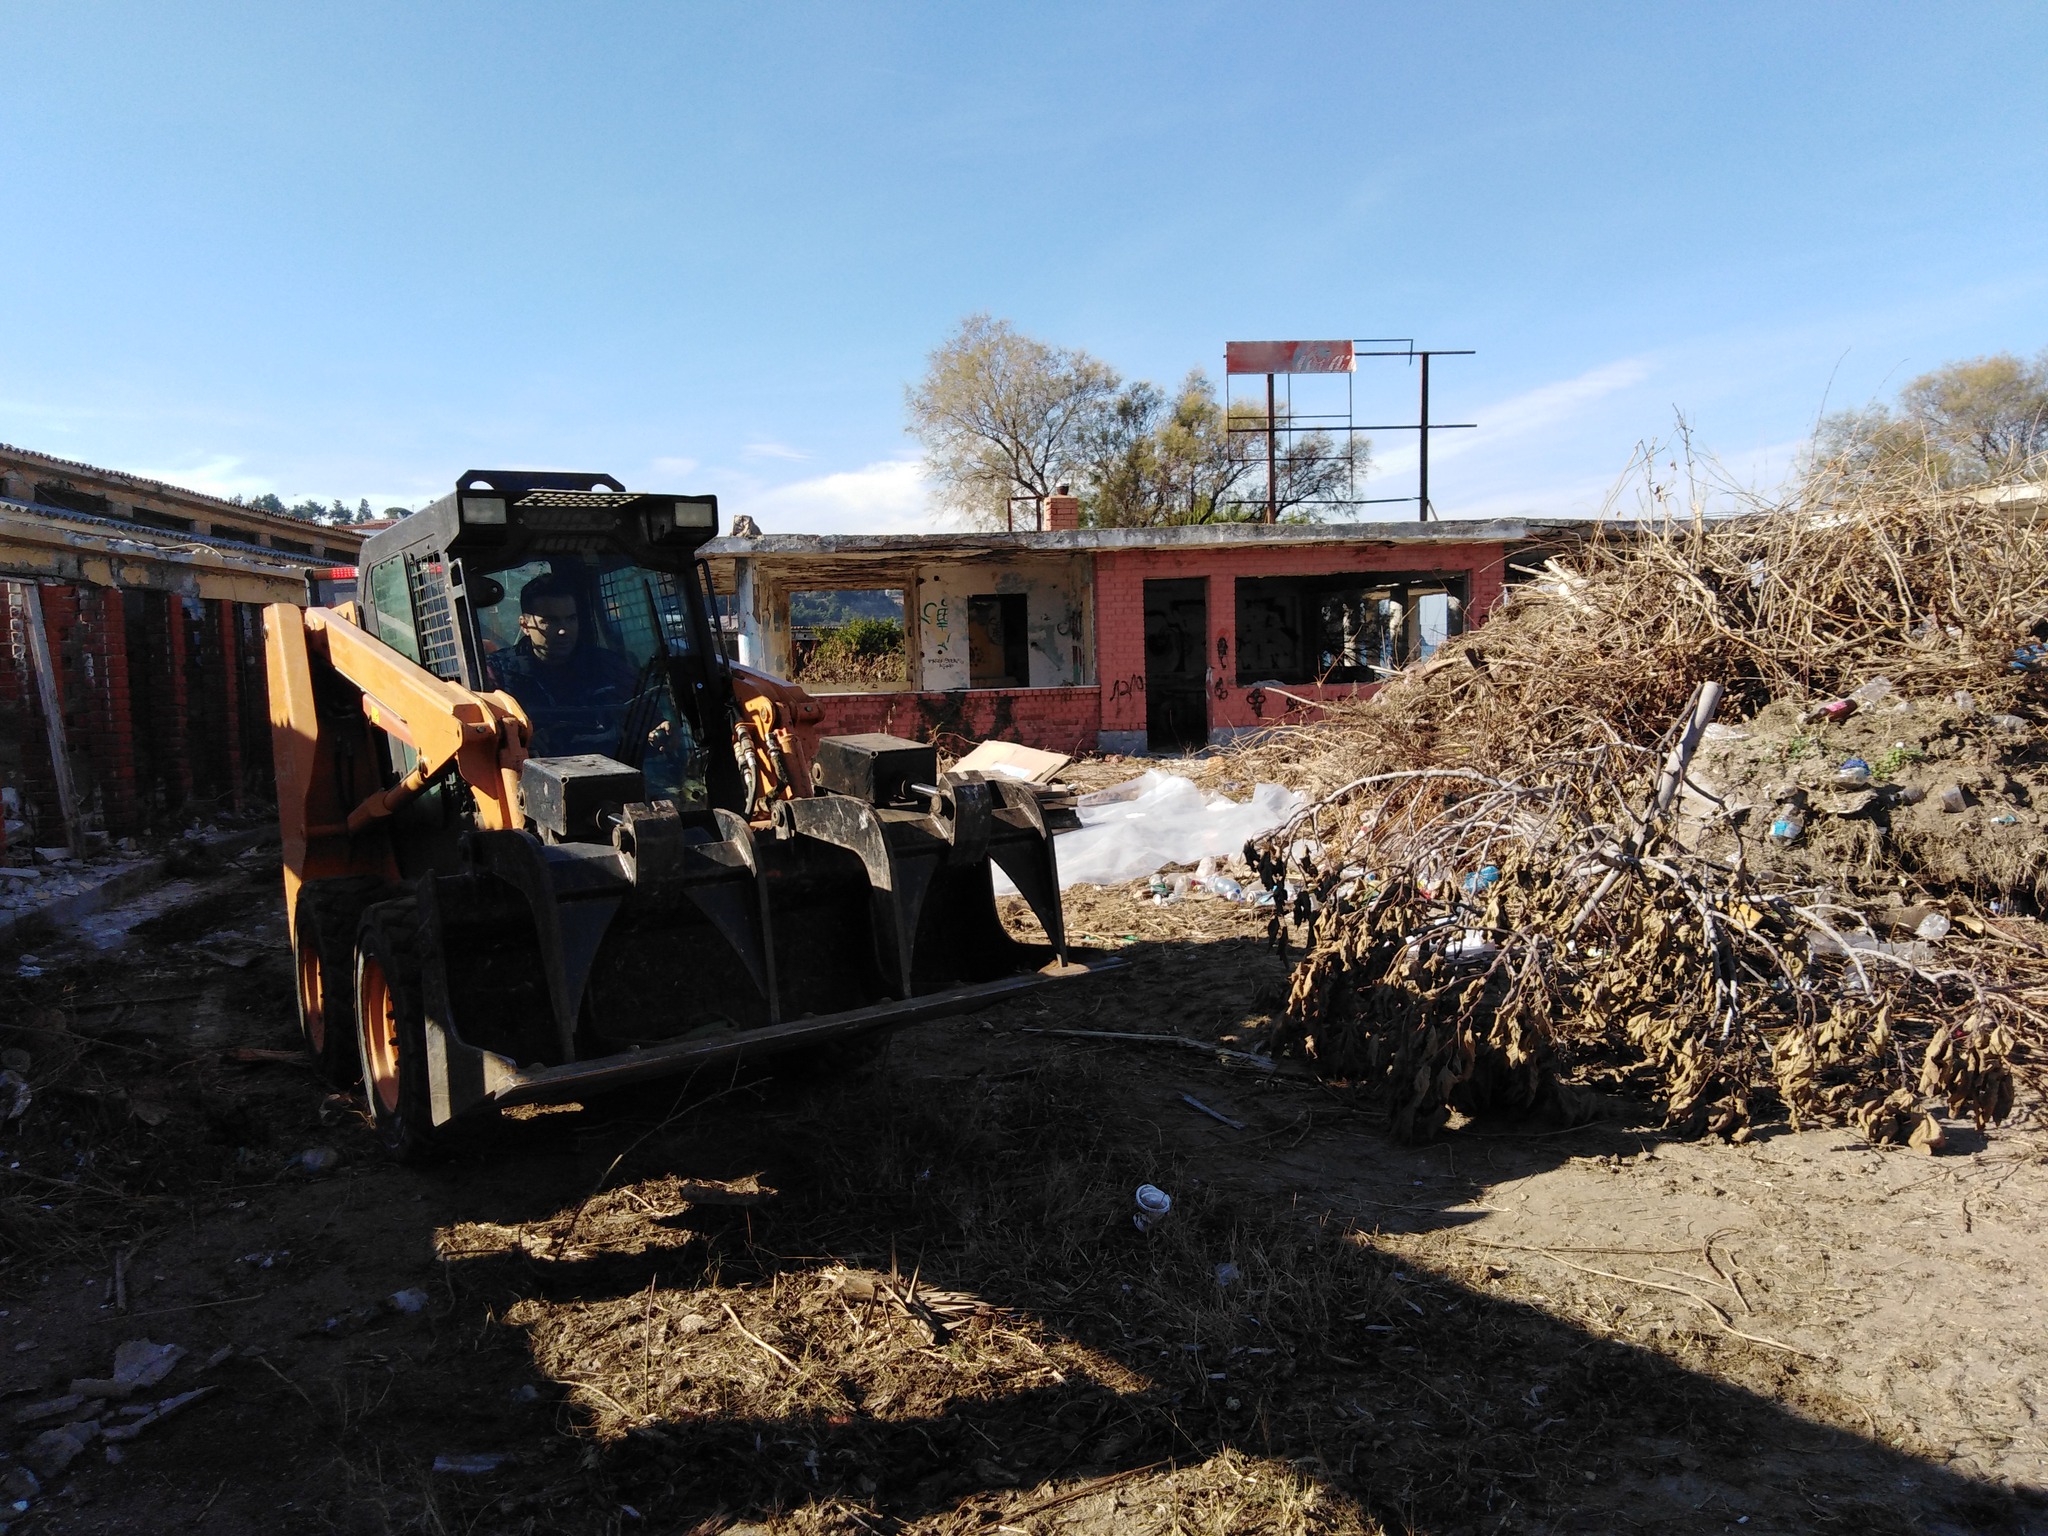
131,683
1122,639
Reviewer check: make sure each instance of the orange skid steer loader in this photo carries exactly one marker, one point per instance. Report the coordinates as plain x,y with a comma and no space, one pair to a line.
542,838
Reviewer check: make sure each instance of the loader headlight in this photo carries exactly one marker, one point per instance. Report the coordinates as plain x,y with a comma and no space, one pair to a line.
488,510
697,514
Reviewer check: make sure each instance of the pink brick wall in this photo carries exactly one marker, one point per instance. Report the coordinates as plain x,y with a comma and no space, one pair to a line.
1052,719
1120,577
151,730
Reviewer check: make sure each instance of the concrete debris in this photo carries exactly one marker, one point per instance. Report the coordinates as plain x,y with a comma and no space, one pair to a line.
137,1364
55,1449
142,1416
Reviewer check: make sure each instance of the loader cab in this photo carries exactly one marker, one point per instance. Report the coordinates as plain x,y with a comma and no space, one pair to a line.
583,601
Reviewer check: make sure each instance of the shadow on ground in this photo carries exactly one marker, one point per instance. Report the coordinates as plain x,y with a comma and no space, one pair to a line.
907,1297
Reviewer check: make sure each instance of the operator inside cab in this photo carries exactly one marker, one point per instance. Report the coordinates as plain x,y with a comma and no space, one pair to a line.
559,681
589,663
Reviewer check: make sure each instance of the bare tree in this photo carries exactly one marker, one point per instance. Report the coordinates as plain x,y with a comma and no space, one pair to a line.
1969,422
1002,415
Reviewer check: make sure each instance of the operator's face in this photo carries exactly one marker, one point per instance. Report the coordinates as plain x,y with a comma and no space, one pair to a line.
552,633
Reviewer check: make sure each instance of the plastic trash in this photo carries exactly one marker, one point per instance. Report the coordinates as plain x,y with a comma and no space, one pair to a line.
1853,774
15,1095
472,1465
1912,951
1480,879
1965,701
1954,800
1227,1275
1226,888
1167,819
1206,870
2009,722
1909,794
315,1161
2005,819
1471,949
1933,927
1871,692
411,1300
1788,826
1176,891
1154,1205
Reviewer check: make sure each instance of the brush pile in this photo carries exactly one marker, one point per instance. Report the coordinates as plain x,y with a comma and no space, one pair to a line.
1518,874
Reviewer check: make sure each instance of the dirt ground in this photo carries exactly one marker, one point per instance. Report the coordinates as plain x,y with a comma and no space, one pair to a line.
906,1294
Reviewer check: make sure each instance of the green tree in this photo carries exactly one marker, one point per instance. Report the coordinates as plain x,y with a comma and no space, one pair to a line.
1966,423
1003,415
1152,460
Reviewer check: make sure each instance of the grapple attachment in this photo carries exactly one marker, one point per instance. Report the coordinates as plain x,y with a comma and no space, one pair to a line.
695,936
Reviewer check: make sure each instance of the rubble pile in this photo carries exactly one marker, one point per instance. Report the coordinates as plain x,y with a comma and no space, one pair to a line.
1746,814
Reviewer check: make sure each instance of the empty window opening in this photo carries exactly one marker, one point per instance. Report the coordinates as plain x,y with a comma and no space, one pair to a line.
291,546
164,520
68,500
998,642
1339,629
848,638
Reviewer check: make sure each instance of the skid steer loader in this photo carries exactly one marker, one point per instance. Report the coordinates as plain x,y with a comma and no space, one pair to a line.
542,837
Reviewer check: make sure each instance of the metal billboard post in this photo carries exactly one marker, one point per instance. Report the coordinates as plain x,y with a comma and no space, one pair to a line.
1273,358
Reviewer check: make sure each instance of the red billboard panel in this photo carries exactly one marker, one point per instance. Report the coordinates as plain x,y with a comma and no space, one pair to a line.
1288,357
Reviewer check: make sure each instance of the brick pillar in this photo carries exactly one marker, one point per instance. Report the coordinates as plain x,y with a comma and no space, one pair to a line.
1062,510
178,713
109,740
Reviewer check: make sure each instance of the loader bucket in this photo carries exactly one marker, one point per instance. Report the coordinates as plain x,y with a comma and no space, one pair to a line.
698,937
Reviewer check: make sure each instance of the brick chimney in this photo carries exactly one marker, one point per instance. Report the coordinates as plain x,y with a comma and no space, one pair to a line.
1062,510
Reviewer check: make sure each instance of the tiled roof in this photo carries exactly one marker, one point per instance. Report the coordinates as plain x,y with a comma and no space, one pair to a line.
163,488
170,540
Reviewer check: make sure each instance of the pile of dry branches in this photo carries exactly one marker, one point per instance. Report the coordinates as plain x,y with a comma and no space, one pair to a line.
1500,899
1808,599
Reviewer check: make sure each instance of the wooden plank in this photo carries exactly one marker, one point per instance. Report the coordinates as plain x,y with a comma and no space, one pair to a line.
53,716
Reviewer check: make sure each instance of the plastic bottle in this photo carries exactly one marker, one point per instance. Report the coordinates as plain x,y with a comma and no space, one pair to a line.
1933,927
1871,692
1788,826
1481,878
1226,888
1154,1205
1853,774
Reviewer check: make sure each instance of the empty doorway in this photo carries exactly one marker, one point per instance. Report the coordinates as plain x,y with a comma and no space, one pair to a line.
1176,665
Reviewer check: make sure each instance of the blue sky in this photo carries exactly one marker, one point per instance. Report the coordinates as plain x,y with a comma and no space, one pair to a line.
355,250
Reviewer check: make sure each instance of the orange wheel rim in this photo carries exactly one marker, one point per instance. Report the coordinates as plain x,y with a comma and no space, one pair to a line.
380,1037
312,999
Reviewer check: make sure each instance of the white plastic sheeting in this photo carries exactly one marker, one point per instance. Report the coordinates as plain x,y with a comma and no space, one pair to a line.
1159,819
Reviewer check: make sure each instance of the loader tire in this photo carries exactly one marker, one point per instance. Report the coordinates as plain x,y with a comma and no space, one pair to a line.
391,1029
324,961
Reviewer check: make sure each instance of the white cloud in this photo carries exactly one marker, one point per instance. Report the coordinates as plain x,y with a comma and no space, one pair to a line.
886,497
220,475
1542,409
773,451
